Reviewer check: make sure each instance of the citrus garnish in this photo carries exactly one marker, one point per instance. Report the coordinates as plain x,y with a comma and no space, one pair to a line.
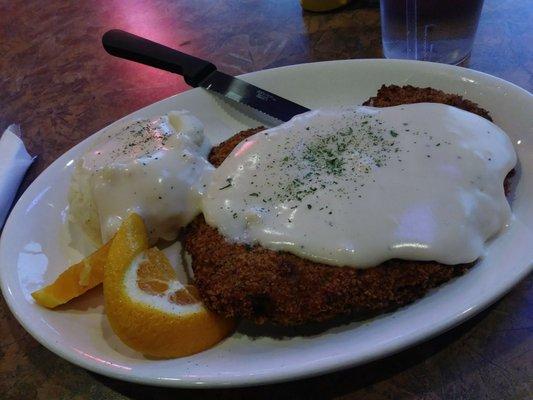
76,280
147,307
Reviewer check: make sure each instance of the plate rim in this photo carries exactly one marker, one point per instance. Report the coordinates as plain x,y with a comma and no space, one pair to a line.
339,362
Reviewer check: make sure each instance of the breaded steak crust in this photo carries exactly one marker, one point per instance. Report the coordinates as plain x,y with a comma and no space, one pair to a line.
264,285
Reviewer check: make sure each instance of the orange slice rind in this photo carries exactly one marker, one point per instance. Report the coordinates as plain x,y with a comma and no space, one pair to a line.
147,307
75,281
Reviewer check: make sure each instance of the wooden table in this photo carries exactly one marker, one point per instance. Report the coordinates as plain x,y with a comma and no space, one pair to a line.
57,81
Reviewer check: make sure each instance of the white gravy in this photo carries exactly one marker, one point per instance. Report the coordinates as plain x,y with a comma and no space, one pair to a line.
153,167
357,186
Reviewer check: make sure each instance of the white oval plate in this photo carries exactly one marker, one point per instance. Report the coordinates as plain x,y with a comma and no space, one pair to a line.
30,254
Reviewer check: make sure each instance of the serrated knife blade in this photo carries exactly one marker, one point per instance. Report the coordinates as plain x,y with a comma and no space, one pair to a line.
245,93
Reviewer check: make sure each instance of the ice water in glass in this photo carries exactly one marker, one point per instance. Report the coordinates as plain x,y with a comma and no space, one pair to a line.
430,30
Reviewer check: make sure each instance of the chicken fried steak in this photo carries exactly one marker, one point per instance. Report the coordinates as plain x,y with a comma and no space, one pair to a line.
264,285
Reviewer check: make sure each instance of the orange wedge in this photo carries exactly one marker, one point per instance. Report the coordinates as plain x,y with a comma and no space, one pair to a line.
147,307
75,281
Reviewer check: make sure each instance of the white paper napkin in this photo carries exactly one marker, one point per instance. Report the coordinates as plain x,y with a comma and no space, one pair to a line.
14,162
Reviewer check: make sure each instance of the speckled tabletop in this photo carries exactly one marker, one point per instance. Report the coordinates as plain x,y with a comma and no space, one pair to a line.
57,81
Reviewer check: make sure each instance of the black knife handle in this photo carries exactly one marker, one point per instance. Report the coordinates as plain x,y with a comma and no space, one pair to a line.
135,48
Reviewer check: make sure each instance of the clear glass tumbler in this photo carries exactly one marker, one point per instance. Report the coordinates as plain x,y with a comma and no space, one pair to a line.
430,30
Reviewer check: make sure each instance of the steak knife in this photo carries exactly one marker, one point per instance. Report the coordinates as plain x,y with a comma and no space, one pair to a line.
198,73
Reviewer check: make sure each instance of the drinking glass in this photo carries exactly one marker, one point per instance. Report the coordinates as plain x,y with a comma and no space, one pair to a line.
430,30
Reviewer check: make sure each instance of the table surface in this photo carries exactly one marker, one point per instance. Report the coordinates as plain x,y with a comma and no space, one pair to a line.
59,84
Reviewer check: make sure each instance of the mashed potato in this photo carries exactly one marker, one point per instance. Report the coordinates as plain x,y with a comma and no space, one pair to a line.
153,167
82,208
